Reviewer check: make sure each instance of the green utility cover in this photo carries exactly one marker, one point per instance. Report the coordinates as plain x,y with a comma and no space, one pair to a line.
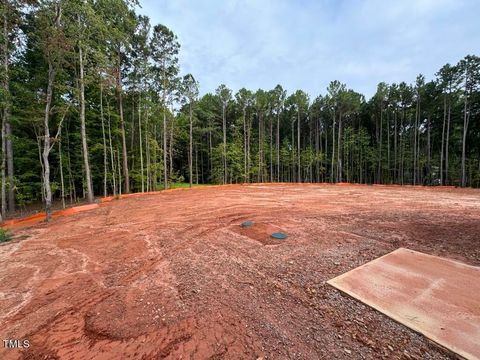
279,236
247,223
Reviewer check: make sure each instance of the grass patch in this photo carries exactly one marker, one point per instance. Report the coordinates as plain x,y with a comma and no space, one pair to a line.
5,235
180,185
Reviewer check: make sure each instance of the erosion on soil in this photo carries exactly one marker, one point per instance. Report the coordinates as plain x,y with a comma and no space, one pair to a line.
174,274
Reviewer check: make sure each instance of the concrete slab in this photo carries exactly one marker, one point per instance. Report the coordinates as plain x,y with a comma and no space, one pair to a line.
437,297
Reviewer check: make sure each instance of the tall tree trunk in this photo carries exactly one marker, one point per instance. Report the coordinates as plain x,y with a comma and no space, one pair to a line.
132,133
379,169
245,144
119,172
447,140
4,188
429,182
112,155
249,132
11,182
61,168
224,126
415,129
155,175
298,146
443,137
401,140
210,146
321,153
71,183
196,163
170,148
465,130
7,149
332,178
122,124
202,172
395,158
83,133
419,173
388,150
326,152
293,178
260,148
140,142
271,148
105,166
165,165
278,146
317,153
360,163
40,160
339,149
147,150
46,142
190,157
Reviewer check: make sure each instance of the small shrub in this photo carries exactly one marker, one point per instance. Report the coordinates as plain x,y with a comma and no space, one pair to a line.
4,235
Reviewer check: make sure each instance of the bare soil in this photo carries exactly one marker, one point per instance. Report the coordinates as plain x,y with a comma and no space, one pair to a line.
174,275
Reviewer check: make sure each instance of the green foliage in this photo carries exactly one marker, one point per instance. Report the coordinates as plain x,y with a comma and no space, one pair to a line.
5,235
183,185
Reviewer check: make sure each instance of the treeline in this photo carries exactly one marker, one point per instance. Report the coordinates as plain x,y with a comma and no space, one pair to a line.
93,103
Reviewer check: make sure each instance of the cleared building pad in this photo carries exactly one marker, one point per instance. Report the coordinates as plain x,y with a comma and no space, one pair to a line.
434,296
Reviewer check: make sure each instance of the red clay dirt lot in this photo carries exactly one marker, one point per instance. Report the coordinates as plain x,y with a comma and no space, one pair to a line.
174,276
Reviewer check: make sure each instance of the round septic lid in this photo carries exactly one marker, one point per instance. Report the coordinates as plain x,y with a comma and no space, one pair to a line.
247,223
279,235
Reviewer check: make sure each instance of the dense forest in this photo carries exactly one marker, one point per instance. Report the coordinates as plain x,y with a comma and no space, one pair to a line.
93,103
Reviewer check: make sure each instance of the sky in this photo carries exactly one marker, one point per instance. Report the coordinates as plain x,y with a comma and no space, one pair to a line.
305,44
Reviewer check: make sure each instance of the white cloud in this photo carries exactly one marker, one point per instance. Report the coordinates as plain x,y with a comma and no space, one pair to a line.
306,44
